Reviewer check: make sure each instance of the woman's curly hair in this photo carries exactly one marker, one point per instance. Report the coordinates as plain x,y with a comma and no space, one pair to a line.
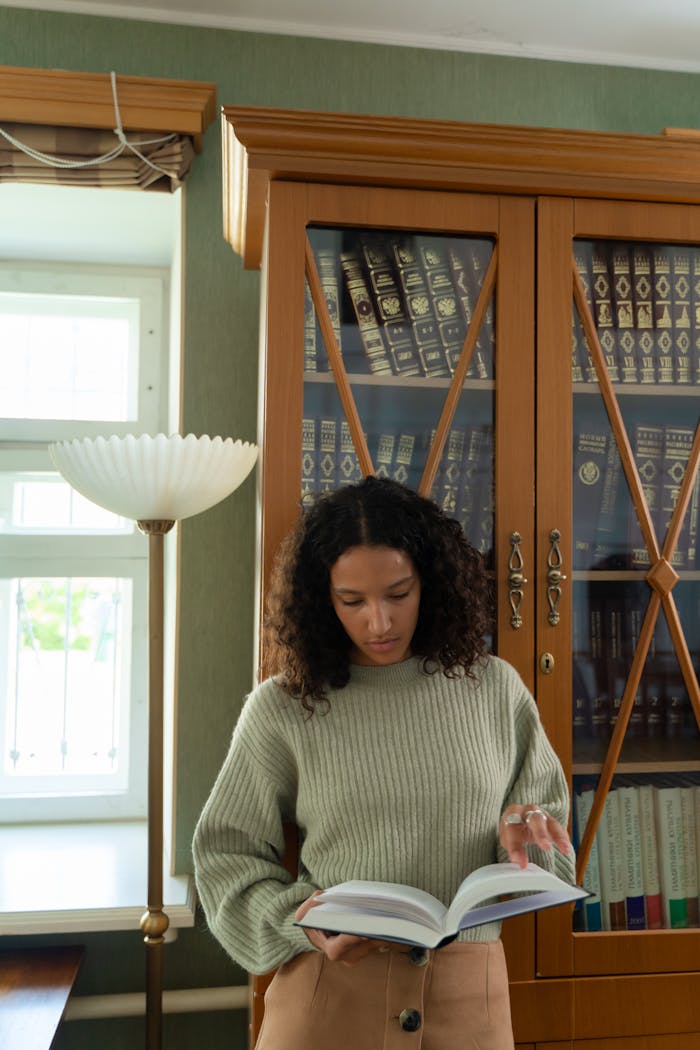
306,645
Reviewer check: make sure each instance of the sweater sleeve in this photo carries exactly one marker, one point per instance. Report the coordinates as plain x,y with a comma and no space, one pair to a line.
249,898
538,779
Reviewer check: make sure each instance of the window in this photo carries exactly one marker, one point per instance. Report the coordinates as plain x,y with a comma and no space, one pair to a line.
83,351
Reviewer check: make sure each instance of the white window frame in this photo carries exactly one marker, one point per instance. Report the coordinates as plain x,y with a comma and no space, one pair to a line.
24,447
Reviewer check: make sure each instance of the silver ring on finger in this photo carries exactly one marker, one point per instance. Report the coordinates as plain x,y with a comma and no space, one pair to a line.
536,812
513,818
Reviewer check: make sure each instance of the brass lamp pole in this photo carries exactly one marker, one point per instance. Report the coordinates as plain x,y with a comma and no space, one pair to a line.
156,481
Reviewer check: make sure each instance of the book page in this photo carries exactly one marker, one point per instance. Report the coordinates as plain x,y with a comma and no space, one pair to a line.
389,899
495,879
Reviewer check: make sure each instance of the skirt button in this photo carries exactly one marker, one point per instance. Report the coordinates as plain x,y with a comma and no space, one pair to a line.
409,1020
418,956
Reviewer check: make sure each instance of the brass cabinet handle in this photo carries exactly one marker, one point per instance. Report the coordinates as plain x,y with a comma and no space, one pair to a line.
516,580
555,577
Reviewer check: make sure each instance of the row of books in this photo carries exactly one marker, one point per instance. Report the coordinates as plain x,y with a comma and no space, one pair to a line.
607,530
410,299
605,633
645,301
463,485
642,871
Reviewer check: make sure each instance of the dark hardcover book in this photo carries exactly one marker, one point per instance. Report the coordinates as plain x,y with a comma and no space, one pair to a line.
310,351
603,288
642,365
309,456
348,464
481,252
327,454
404,456
680,269
600,701
648,446
451,471
438,276
426,333
581,364
384,460
623,298
678,442
481,535
370,332
463,281
389,307
695,319
327,262
663,315
590,457
610,542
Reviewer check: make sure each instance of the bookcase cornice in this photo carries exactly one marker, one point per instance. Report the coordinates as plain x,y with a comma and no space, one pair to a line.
261,144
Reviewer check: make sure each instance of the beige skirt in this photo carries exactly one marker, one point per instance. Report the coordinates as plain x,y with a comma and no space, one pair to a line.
452,999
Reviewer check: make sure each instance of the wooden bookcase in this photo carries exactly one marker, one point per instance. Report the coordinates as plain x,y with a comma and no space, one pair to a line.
545,204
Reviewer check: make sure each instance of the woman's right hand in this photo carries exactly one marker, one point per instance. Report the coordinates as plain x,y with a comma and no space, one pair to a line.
338,947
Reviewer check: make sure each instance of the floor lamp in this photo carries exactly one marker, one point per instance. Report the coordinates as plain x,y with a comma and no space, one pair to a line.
156,481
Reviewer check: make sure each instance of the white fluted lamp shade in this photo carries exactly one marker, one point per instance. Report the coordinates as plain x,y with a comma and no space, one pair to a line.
154,478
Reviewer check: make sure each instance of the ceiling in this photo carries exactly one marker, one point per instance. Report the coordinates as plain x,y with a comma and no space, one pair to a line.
655,34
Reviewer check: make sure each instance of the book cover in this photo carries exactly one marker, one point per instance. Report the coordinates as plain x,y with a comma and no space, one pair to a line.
404,456
592,906
695,327
612,872
690,852
648,448
451,471
669,834
590,458
383,461
348,464
309,455
326,260
650,858
327,454
603,310
370,333
632,857
624,302
394,912
389,306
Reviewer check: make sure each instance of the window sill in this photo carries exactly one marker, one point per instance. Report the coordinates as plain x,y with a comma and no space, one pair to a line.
82,878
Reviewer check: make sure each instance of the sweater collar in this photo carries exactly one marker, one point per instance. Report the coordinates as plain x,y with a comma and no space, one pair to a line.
392,675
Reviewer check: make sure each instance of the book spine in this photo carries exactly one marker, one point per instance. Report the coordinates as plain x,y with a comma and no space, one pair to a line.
348,464
641,341
419,309
452,471
482,531
669,832
310,352
648,454
695,307
328,276
690,847
581,365
590,455
462,279
327,455
390,308
404,455
612,876
608,551
592,906
370,333
663,316
451,326
650,858
623,298
385,455
603,309
481,252
309,456
632,855
600,701
680,268
678,442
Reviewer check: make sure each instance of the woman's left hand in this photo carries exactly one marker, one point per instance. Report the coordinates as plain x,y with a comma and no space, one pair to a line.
523,826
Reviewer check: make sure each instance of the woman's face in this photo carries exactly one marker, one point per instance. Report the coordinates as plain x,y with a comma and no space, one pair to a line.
375,592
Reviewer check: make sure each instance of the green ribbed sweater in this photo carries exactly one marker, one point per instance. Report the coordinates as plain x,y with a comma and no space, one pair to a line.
403,780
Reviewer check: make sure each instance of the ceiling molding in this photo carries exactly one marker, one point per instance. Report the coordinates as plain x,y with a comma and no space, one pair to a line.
436,42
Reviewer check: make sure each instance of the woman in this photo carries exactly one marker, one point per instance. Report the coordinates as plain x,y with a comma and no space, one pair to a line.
404,753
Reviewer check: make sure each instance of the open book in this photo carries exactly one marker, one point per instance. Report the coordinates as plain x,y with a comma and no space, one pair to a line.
394,912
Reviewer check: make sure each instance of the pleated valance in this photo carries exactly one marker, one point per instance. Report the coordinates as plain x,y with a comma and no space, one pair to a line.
100,129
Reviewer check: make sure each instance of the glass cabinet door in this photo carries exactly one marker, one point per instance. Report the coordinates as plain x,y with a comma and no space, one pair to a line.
634,447
398,307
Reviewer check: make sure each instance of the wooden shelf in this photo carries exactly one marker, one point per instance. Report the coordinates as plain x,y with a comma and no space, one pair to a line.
410,382
640,390
677,755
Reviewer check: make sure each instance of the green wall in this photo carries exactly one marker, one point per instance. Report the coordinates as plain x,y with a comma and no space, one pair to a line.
221,313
